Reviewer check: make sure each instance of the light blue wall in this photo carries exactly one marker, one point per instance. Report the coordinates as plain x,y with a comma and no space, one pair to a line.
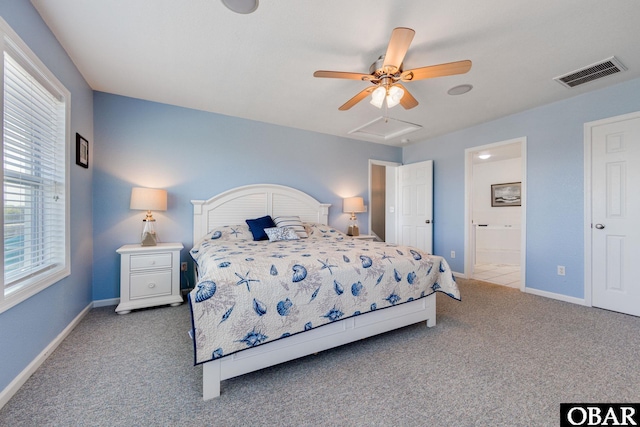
27,328
555,182
196,155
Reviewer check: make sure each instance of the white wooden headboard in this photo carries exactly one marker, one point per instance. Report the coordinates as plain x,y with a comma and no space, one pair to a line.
252,201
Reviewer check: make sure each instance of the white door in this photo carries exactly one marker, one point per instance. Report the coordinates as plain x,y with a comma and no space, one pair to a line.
416,205
615,205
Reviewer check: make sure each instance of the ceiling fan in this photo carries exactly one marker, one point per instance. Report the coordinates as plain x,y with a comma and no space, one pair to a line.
386,74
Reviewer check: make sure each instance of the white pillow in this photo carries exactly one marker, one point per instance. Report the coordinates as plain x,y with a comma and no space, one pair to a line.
281,233
291,222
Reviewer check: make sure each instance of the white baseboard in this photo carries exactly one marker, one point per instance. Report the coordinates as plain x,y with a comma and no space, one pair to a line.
18,381
565,298
106,302
552,295
460,275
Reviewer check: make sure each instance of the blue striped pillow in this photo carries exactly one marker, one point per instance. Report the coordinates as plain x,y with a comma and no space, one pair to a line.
291,222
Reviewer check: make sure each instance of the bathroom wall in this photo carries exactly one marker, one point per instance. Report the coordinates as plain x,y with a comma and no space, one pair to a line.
497,229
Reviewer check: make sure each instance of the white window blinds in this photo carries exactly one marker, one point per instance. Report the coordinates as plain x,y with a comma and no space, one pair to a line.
35,187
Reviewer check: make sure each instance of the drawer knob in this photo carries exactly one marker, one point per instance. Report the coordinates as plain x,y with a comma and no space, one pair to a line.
153,261
151,285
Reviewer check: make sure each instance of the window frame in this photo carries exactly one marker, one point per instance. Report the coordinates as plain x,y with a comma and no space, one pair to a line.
19,51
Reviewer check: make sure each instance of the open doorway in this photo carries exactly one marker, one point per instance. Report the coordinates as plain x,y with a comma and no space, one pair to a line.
377,189
382,200
495,212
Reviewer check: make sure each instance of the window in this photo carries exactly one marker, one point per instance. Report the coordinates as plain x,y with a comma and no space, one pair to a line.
35,192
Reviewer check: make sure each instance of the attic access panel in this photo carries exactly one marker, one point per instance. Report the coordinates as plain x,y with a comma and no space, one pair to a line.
385,128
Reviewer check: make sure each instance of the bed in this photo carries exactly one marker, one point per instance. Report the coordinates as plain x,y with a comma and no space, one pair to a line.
306,288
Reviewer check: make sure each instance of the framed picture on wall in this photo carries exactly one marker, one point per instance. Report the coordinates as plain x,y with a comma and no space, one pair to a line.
505,194
82,151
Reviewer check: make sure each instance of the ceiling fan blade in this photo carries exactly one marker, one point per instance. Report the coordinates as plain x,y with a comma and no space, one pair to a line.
407,101
449,69
359,97
342,75
396,50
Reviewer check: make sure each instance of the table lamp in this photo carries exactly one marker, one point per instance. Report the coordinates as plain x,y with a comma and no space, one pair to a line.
148,199
353,205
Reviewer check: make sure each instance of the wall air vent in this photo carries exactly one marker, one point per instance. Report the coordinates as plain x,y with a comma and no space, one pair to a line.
591,72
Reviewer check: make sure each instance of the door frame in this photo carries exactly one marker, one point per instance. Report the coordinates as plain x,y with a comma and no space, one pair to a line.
588,128
468,206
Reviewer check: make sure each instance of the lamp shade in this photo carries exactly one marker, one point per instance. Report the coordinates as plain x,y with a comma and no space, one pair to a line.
394,96
377,96
353,205
148,199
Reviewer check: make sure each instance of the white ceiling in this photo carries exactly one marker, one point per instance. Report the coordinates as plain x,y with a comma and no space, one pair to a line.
498,153
198,54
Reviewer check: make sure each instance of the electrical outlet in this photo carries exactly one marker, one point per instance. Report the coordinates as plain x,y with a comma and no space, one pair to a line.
183,266
561,270
453,254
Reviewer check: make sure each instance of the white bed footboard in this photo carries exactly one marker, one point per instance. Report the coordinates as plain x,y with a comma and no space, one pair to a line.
329,336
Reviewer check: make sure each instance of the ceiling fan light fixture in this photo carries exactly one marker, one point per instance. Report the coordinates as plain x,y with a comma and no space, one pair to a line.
377,96
241,6
394,96
387,72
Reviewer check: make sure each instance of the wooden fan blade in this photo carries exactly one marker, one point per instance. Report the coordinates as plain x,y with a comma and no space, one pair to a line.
396,50
359,97
342,75
449,69
407,101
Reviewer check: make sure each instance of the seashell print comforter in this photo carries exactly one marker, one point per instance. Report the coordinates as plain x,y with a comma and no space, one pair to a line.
252,292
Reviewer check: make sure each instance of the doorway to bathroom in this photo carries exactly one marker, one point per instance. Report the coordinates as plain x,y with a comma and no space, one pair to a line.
495,213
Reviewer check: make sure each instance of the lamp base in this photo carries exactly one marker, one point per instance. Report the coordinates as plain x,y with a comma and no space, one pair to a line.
149,236
353,230
149,239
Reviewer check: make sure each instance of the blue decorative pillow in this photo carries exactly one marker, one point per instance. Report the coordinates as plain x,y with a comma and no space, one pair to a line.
258,225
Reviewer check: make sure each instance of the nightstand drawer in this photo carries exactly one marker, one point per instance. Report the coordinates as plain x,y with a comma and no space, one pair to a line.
161,260
150,284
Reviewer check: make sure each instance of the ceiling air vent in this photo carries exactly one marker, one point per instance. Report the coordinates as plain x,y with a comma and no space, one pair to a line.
591,72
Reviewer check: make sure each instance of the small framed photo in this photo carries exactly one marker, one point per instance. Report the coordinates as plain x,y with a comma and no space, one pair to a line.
506,194
82,151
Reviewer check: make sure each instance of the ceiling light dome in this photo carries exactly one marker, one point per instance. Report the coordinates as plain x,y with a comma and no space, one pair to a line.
459,90
241,6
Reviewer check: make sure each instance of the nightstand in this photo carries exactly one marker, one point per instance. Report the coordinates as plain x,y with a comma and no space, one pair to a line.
149,276
365,237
